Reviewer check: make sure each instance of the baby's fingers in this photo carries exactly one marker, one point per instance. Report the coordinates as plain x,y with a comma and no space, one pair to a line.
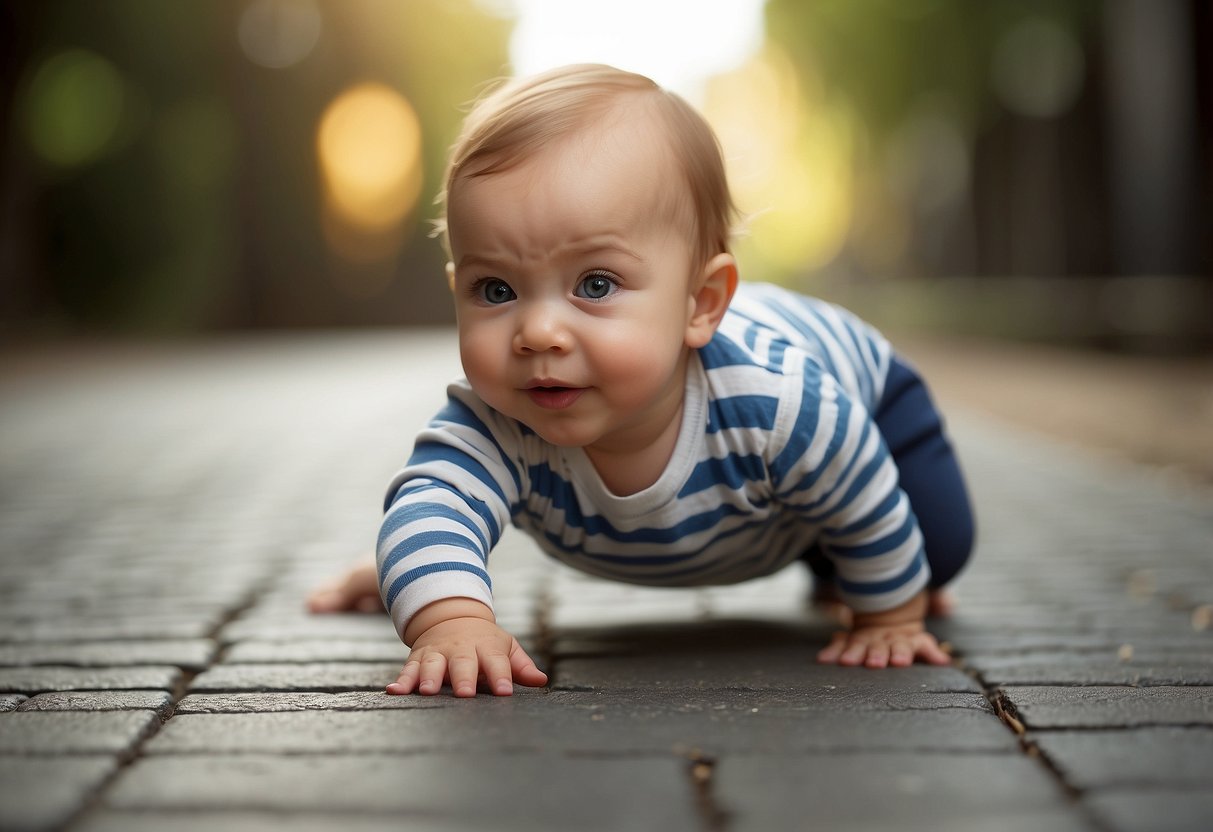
433,671
878,655
407,680
831,654
902,654
463,670
927,648
495,665
525,671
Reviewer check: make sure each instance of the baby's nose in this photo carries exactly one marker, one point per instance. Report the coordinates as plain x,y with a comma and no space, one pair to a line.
542,327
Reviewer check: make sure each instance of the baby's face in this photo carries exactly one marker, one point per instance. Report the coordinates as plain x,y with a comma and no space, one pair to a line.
572,284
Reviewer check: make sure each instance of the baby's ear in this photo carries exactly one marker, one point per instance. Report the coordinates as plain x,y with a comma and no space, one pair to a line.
716,285
450,276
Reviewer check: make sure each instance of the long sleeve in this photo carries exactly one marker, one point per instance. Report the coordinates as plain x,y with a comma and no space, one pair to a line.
832,467
444,512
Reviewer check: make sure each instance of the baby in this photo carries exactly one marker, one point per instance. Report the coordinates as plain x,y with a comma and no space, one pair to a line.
639,413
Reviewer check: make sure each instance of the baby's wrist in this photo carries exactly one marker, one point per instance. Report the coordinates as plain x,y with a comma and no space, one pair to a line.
441,611
913,611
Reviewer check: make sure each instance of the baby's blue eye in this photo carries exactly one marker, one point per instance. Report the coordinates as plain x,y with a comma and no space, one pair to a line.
496,291
595,286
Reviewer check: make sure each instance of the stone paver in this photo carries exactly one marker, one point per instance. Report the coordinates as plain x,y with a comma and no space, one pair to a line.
1132,757
757,669
1133,810
45,679
224,703
74,732
586,723
310,628
158,669
1085,670
192,820
194,654
325,676
312,651
659,794
90,629
890,791
10,701
43,793
160,701
1104,707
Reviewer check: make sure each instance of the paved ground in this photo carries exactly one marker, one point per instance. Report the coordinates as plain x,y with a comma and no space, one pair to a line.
1147,409
162,512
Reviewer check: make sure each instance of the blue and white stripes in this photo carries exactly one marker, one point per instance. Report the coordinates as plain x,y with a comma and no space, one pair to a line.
777,454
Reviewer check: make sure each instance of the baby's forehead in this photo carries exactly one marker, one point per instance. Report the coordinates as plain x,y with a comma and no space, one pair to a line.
628,149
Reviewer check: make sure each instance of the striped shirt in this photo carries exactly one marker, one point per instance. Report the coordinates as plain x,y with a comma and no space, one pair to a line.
776,454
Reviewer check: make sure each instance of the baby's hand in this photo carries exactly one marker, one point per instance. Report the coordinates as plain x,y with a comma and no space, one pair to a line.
464,650
881,646
895,637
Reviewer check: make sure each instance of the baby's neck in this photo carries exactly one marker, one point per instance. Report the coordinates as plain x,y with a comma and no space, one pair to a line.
630,472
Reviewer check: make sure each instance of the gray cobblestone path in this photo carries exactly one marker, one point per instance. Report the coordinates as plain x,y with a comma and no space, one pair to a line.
163,511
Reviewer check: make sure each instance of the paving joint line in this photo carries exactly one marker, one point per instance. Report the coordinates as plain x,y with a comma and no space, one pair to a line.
124,759
1008,715
701,768
128,757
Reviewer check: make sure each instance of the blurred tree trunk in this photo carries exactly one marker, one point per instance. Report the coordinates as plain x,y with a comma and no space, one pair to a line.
24,295
1150,50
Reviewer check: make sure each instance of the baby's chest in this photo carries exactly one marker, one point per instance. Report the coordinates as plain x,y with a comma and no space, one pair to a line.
685,525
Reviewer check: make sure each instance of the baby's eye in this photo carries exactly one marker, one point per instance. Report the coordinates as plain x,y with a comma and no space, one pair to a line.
495,291
596,285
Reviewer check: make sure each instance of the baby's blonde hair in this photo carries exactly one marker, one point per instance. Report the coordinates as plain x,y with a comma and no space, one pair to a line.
517,119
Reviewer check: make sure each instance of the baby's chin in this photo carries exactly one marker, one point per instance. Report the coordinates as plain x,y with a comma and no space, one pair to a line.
559,439
566,432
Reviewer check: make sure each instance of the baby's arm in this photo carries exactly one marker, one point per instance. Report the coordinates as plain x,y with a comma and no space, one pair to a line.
842,478
893,637
458,639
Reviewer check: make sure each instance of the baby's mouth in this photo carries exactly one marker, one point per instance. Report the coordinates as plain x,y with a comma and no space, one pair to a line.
554,396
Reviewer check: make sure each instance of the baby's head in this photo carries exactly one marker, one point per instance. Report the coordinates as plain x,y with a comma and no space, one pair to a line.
587,219
522,118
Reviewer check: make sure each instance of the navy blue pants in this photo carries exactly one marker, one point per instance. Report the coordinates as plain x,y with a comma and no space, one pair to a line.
928,473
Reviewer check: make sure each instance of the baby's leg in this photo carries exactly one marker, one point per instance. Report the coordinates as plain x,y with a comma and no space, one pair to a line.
357,590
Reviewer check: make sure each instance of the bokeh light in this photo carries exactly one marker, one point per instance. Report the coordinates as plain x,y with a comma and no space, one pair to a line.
790,165
279,33
231,164
1038,69
369,145
74,108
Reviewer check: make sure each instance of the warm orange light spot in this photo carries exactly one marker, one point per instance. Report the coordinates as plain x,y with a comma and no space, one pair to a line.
369,146
790,163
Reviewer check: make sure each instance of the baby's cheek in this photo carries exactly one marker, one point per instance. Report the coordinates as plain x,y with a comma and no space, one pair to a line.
637,385
484,371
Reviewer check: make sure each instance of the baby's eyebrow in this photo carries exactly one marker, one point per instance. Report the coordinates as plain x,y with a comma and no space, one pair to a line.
476,260
592,247
608,244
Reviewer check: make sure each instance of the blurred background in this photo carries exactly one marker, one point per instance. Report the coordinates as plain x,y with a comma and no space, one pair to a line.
1035,170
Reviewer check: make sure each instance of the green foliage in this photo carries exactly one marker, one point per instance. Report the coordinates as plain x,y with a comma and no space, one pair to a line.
176,183
884,57
73,108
